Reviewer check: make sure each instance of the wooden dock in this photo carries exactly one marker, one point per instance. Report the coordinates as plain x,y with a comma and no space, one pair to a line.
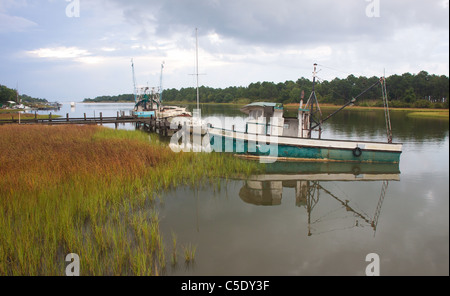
160,126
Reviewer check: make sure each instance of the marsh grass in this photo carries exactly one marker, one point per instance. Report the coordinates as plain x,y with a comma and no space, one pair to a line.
174,257
189,251
24,116
92,191
429,114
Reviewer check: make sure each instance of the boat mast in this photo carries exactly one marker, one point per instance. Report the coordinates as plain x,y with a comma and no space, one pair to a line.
315,114
386,109
134,81
160,84
196,57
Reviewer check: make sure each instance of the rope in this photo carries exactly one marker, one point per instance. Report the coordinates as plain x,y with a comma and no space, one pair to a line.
334,69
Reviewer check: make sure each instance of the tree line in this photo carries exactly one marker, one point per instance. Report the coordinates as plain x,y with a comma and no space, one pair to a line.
421,90
111,99
8,94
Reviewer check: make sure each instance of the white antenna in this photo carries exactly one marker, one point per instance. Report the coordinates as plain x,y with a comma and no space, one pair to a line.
197,74
134,81
196,49
18,100
161,82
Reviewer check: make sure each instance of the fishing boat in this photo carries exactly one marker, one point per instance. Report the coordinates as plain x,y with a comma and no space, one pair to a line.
270,136
148,102
149,105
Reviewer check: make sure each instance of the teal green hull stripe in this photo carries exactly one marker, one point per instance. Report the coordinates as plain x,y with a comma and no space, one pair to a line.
309,153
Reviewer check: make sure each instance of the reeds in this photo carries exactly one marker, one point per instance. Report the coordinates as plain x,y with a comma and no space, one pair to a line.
189,253
15,116
174,257
92,191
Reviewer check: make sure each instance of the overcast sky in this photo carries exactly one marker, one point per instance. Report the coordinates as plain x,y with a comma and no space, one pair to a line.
65,50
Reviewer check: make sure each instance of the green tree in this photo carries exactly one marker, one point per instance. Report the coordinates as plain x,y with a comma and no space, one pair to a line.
409,96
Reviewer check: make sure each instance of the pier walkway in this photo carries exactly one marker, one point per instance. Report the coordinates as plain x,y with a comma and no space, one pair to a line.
161,126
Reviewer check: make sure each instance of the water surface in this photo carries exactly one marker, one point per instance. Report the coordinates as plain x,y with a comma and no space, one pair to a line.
318,219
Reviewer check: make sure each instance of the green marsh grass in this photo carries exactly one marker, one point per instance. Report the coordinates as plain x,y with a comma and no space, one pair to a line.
24,116
174,257
429,114
92,191
189,253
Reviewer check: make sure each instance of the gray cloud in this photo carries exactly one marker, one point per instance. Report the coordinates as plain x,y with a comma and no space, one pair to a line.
241,41
284,22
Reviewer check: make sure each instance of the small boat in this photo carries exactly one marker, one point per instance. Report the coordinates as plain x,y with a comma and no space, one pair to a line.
148,105
148,102
72,104
270,136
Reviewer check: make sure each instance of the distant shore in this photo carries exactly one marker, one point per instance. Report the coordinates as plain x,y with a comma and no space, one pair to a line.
414,112
107,102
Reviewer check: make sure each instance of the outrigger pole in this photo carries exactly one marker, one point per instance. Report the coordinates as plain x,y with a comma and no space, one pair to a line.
353,100
317,122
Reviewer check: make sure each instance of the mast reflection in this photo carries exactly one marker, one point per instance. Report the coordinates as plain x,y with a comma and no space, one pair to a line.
312,182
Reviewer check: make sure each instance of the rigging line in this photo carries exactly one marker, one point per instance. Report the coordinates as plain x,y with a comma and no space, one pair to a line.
334,69
346,205
376,216
339,219
344,106
354,204
370,87
335,229
325,216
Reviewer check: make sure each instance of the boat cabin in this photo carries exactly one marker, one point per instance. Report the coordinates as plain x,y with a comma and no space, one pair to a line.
269,119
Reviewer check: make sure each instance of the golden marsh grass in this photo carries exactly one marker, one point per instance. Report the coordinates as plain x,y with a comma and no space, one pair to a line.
92,191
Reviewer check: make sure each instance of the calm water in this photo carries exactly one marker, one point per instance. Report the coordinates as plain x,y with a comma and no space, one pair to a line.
295,221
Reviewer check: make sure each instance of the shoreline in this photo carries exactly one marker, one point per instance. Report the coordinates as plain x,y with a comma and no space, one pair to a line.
415,112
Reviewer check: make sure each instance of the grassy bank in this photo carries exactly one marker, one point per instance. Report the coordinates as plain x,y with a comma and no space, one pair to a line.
15,116
92,191
416,112
429,114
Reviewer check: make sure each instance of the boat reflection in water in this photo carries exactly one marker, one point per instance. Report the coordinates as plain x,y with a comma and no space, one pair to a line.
312,183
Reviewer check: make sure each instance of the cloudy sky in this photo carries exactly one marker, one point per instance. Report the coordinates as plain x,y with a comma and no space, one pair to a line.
68,50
